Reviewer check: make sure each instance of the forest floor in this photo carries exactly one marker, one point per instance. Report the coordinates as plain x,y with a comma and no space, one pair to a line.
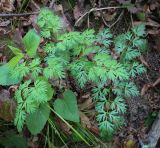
19,15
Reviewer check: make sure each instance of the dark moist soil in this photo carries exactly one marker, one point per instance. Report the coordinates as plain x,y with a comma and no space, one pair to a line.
141,108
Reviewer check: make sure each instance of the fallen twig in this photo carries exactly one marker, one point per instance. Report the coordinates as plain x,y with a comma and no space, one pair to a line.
148,86
154,133
17,14
97,9
119,17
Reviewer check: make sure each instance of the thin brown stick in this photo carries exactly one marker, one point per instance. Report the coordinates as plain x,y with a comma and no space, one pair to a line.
119,17
97,9
17,14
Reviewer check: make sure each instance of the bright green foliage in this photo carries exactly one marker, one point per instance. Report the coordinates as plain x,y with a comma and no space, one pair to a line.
48,22
129,47
37,120
31,42
104,37
67,107
15,50
55,68
32,98
5,78
19,71
108,64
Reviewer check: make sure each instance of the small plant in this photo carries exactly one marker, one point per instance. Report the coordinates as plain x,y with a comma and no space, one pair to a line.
109,65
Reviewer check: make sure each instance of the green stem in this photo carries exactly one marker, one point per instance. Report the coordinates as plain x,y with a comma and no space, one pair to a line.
70,126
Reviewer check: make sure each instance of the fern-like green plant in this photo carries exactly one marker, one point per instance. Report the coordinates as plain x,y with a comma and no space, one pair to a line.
88,58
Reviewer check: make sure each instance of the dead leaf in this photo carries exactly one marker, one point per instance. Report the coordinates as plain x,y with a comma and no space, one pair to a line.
152,23
145,89
85,120
7,106
65,128
34,6
45,1
12,89
153,31
65,23
143,61
109,17
7,5
156,82
5,23
154,5
17,38
95,130
87,104
116,142
76,12
81,3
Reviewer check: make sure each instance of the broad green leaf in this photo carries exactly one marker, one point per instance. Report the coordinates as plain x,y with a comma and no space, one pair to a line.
15,50
37,120
14,61
31,42
5,78
67,107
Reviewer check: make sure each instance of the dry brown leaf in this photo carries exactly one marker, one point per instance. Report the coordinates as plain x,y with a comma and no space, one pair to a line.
143,61
116,142
58,8
153,31
94,129
156,82
76,12
145,89
17,38
65,128
44,2
152,23
12,89
154,5
7,106
147,86
109,17
5,23
87,104
7,5
85,121
65,23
